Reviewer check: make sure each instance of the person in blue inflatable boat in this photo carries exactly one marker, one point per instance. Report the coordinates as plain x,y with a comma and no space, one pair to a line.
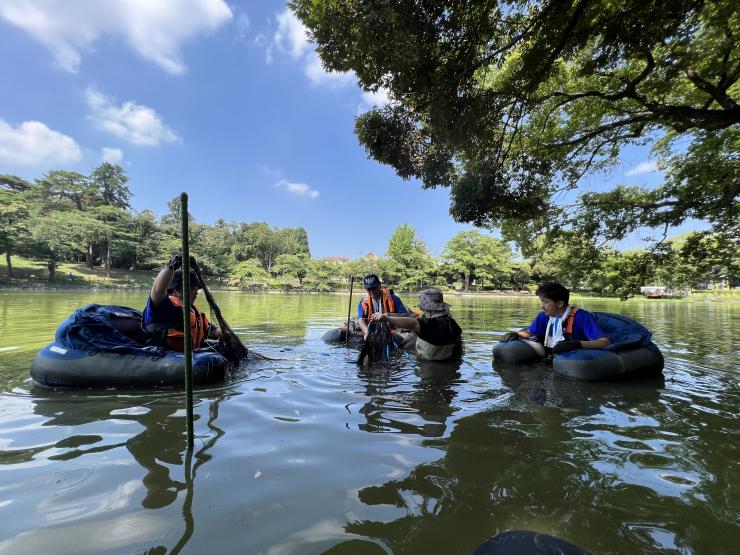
378,300
163,313
561,327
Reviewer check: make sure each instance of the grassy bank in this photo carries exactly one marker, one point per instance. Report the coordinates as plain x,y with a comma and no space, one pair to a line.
30,274
33,274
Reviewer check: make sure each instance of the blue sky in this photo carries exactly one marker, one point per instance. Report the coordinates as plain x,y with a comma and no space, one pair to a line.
225,101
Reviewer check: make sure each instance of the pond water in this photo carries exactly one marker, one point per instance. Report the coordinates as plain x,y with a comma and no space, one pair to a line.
309,454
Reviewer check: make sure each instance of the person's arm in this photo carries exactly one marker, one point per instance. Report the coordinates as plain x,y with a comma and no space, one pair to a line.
161,284
573,344
399,321
214,332
589,328
527,333
599,343
362,319
596,338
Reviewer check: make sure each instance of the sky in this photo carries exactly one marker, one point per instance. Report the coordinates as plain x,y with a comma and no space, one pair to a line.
225,101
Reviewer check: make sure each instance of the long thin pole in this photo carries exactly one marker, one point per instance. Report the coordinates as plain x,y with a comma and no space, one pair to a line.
349,310
186,317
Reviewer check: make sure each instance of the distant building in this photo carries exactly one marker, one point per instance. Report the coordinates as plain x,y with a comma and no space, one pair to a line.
656,291
340,259
371,256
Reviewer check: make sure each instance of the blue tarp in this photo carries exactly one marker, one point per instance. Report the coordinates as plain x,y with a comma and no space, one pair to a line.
91,329
622,331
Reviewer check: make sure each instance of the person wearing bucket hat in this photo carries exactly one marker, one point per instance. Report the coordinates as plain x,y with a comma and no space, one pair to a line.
378,300
163,313
439,335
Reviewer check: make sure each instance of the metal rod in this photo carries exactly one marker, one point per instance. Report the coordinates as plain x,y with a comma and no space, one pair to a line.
186,306
349,310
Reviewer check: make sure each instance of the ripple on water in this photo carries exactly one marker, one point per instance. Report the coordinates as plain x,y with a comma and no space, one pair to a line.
653,536
294,463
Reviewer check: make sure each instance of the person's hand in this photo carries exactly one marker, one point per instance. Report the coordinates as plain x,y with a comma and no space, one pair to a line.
566,345
378,317
511,336
175,263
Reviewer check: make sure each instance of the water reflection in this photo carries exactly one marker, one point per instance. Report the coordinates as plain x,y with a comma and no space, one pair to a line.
408,396
539,385
82,501
540,462
462,454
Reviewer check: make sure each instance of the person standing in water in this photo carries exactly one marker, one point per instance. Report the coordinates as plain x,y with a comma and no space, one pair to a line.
438,334
378,300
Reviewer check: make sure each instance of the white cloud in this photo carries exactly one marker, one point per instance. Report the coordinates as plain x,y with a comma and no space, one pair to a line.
155,29
298,189
643,167
261,41
291,38
291,35
242,27
137,124
112,155
32,143
319,76
370,99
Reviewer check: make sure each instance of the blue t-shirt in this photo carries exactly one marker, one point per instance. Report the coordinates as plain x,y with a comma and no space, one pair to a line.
585,327
397,303
164,313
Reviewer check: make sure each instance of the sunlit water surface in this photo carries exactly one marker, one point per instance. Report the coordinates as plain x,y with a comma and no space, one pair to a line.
309,454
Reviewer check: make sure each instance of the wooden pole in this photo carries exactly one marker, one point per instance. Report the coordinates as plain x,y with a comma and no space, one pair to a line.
349,310
186,304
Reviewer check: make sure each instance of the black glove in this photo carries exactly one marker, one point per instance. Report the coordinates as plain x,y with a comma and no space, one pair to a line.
175,263
566,345
511,336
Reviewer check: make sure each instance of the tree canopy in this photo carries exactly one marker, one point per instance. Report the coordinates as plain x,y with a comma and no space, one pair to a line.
70,217
512,103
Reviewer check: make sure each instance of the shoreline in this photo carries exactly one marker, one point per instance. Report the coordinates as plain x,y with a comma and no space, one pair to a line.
43,287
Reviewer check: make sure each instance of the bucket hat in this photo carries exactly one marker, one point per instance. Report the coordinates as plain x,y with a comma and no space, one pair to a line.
431,299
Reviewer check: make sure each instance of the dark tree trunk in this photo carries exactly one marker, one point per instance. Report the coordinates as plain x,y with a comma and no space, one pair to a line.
467,282
7,262
52,267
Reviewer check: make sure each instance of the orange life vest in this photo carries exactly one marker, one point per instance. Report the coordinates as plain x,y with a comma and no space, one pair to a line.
387,303
569,322
198,328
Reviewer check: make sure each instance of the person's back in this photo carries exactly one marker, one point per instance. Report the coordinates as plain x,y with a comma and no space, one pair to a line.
439,337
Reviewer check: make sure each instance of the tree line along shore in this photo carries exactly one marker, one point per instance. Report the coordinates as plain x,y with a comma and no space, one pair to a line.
67,229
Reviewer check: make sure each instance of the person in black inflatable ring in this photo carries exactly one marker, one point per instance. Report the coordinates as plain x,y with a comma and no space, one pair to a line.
163,313
560,327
